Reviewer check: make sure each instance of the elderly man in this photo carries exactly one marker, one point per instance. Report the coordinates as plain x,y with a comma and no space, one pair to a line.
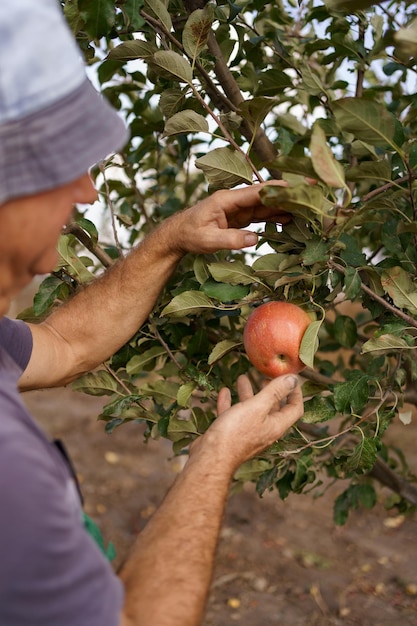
53,128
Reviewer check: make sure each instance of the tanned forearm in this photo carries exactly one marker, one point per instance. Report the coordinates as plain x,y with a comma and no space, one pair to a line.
97,321
168,574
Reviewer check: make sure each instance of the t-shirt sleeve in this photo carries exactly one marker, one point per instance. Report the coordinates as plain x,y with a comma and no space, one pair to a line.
16,339
51,571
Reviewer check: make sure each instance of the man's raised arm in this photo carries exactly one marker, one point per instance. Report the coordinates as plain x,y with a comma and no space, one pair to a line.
98,320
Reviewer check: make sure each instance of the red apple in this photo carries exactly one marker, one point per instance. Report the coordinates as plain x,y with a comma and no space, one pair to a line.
272,338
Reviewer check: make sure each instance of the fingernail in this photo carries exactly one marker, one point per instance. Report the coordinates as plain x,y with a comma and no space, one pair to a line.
251,239
293,381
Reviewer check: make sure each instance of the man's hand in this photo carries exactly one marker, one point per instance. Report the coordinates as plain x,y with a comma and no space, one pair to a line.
214,223
247,428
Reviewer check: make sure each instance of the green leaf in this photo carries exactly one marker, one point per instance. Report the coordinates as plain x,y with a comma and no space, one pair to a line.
123,408
163,391
159,10
272,82
385,344
311,81
70,259
225,168
171,101
187,121
351,253
352,395
221,349
256,109
350,6
406,39
132,50
141,362
173,65
49,290
196,31
269,267
367,120
251,470
316,251
318,409
345,331
99,383
302,200
131,13
353,283
200,268
290,121
187,303
89,227
398,284
367,496
233,272
98,17
370,170
224,292
310,343
185,392
350,499
363,457
300,165
179,427
324,162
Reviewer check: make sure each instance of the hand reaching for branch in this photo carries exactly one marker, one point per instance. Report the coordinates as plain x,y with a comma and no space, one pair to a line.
215,223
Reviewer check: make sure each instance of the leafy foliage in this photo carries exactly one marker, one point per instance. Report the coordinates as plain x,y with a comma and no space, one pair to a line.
220,94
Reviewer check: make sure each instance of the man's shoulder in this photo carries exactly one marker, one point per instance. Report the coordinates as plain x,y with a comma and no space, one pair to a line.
16,341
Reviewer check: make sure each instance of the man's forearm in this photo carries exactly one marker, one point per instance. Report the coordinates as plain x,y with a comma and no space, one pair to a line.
168,574
97,321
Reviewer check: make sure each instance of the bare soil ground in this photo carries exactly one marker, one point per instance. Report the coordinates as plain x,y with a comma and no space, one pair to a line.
278,562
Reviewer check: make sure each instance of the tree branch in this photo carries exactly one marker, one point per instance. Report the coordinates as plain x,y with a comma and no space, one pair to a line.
74,229
392,309
262,146
381,471
376,192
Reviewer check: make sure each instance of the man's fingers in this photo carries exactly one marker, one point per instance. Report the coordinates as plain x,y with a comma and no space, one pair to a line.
224,400
293,409
278,390
244,388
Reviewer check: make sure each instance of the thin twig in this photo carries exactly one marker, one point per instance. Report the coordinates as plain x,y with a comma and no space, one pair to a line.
129,169
112,211
167,348
123,385
75,229
392,309
376,192
117,379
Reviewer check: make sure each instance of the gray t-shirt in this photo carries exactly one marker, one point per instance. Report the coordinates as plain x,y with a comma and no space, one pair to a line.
51,571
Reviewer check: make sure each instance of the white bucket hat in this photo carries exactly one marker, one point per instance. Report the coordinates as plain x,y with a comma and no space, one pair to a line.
54,126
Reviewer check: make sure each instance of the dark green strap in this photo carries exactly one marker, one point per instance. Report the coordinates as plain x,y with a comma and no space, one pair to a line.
93,530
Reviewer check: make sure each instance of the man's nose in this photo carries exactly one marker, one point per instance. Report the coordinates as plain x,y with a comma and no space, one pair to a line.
85,191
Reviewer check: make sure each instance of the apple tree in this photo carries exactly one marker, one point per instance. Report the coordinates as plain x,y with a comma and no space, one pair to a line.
222,93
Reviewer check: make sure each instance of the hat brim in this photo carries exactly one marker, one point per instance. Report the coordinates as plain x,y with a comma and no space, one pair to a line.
58,144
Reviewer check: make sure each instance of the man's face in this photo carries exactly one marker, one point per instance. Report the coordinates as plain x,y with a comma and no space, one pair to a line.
29,232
